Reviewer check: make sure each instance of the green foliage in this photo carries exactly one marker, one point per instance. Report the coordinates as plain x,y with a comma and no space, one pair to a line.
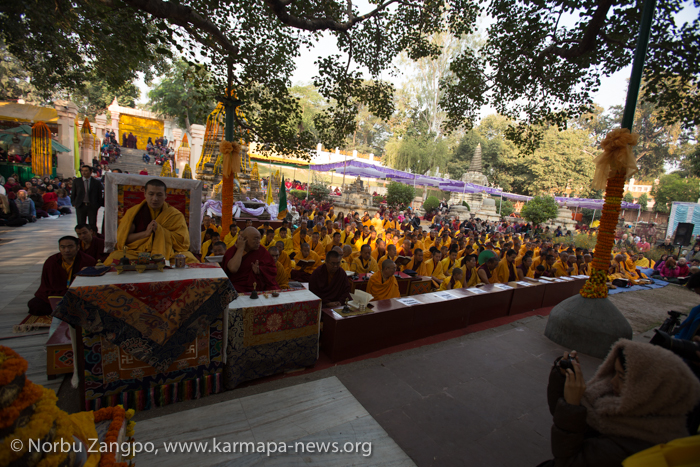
464,203
417,153
587,215
540,209
673,187
377,200
628,197
531,54
400,195
298,194
431,203
15,81
507,207
643,201
96,95
318,191
581,240
181,96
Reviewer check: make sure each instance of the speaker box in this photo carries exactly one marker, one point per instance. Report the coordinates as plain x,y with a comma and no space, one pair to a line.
684,234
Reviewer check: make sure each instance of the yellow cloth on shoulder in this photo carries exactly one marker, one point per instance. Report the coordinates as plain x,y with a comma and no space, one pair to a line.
435,270
171,238
312,257
382,290
422,269
229,240
363,268
288,244
446,284
282,277
501,272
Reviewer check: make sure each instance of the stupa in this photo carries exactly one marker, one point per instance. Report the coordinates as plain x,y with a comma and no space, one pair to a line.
475,176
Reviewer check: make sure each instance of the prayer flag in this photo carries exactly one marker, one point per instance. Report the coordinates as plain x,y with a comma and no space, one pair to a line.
283,201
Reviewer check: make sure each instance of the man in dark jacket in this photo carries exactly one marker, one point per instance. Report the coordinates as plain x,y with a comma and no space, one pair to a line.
58,273
87,196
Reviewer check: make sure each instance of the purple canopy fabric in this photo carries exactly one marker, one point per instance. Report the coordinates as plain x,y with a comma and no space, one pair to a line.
455,186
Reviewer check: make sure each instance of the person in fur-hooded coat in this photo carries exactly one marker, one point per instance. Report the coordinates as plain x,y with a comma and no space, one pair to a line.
638,398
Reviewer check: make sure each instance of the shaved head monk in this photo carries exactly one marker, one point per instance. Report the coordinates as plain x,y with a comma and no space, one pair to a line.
383,285
247,264
282,277
58,273
329,282
153,226
90,244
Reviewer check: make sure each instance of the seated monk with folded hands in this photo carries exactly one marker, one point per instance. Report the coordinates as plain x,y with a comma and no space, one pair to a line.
383,285
248,266
152,226
329,282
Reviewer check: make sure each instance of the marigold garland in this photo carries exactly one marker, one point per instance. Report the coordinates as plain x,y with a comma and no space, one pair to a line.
41,149
615,164
29,395
231,165
40,425
11,365
118,415
64,432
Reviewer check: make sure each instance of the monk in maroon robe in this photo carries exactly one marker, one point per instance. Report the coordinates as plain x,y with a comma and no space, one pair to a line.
58,273
329,282
247,264
90,244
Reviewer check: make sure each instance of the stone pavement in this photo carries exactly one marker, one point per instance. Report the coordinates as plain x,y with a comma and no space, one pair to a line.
476,400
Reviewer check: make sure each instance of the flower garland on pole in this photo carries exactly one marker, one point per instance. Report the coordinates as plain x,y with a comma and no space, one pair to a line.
231,155
41,149
613,167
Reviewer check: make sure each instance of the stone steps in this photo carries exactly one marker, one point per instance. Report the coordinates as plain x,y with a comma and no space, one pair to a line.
131,161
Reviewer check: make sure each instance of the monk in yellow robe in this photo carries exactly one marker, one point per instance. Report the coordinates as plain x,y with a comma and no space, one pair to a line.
562,267
284,259
505,271
231,236
471,273
454,281
284,238
450,262
317,246
644,262
365,263
282,277
390,254
417,263
377,223
335,242
618,270
383,285
299,237
347,259
303,272
434,268
152,226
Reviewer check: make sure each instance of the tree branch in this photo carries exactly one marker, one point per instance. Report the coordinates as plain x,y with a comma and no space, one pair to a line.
588,42
180,15
279,10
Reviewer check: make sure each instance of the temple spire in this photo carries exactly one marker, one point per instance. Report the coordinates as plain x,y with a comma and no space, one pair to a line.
475,164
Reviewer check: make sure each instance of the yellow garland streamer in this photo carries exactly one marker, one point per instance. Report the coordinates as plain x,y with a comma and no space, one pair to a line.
187,172
617,157
231,155
41,149
166,171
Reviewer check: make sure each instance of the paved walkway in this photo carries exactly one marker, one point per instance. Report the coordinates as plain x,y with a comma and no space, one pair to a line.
477,400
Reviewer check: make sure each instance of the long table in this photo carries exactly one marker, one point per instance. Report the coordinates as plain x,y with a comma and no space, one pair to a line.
392,322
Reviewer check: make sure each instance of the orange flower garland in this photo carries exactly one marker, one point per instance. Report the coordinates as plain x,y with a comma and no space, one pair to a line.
29,395
11,365
615,161
117,415
231,158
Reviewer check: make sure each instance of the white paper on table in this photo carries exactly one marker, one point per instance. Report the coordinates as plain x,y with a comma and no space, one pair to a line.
581,276
566,278
215,259
503,286
446,295
475,290
558,280
547,279
337,316
360,297
408,301
527,284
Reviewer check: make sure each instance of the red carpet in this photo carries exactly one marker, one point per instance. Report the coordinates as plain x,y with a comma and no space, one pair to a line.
325,362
